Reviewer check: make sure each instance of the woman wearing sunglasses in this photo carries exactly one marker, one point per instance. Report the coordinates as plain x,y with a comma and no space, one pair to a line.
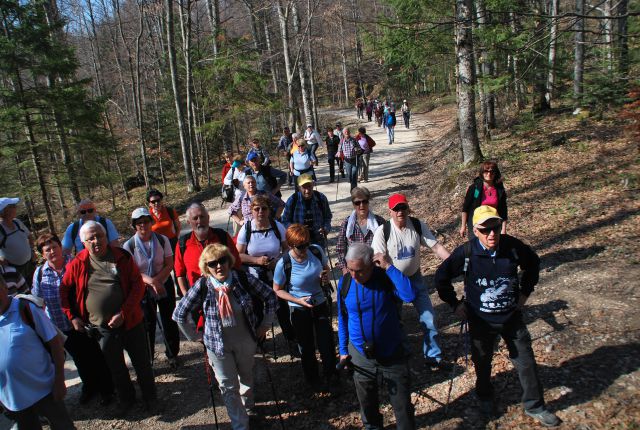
488,190
302,161
301,285
357,227
230,303
165,218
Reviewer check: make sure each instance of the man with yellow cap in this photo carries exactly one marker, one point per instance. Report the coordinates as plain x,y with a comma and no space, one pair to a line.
310,208
495,294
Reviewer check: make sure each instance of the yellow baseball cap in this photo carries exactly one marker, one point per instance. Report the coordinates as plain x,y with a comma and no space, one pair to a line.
484,213
305,179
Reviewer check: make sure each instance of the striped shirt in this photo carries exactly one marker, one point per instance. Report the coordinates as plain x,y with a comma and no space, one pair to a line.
48,288
349,148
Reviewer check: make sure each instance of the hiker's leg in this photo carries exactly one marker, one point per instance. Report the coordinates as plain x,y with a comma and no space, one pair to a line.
483,337
134,343
426,315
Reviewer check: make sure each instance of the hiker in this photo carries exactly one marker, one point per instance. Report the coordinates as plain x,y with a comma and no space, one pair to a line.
101,292
390,123
153,255
16,243
333,143
358,227
401,238
313,139
360,108
268,179
236,175
371,336
32,365
260,244
285,143
309,208
302,161
190,246
84,350
165,218
298,278
258,150
338,131
350,151
494,296
406,113
487,189
240,209
228,159
369,110
86,211
232,327
366,143
379,112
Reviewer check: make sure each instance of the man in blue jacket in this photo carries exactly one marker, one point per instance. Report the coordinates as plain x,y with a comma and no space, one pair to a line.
494,298
370,333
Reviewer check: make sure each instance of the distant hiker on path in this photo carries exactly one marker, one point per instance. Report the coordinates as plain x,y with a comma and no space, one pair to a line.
406,113
257,149
390,123
285,143
268,179
302,161
366,143
349,151
240,209
309,208
313,139
333,144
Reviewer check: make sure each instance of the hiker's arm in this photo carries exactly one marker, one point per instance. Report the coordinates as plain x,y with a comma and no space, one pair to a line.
177,226
163,275
450,268
440,251
341,247
530,266
343,327
404,290
57,354
464,218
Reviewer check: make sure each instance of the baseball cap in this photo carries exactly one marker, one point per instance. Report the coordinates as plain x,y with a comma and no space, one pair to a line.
252,156
484,213
305,179
6,201
396,199
139,213
309,125
236,164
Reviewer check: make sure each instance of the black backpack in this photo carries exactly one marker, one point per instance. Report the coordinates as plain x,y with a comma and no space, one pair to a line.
286,260
378,273
75,229
274,227
220,234
316,196
4,234
387,228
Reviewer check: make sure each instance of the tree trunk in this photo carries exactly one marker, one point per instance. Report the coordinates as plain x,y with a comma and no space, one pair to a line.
272,65
553,41
302,67
138,98
578,62
623,41
466,83
213,12
489,114
312,79
284,32
343,57
177,98
518,86
608,34
540,104
356,19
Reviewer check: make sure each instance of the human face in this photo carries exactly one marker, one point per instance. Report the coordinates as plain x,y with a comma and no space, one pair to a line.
400,214
359,270
489,233
250,185
307,190
489,174
219,268
155,202
87,212
346,133
260,213
254,164
302,146
300,250
361,205
198,220
95,240
52,252
9,212
143,227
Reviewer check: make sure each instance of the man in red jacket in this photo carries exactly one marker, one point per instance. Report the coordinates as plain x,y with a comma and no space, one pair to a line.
101,293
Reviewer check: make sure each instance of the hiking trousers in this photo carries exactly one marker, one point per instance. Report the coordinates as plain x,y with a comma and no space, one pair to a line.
426,315
351,169
54,411
391,133
364,166
313,327
165,307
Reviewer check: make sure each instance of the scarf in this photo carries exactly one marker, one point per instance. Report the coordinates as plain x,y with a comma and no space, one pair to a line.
143,251
372,224
223,289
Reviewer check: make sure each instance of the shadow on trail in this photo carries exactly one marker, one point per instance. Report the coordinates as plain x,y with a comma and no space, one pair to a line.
554,259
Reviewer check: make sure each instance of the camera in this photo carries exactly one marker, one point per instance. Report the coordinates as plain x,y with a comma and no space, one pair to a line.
369,350
93,332
311,301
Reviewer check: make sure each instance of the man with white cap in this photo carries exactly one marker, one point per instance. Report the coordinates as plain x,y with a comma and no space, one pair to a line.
406,113
87,211
494,297
16,243
401,238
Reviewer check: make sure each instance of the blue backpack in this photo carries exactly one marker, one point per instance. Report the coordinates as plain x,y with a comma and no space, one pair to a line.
391,119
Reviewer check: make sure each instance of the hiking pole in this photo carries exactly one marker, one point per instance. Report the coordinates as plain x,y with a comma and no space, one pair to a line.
273,336
464,333
338,181
273,388
170,355
145,308
208,371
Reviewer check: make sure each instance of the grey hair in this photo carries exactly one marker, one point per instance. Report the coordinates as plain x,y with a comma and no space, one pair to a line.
196,205
294,136
90,225
249,177
361,252
84,202
346,130
360,192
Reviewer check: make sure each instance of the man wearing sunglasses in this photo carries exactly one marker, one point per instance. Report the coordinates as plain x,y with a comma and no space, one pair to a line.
86,211
401,239
494,297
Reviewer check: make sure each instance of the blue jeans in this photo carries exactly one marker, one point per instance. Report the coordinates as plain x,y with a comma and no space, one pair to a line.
352,172
426,315
390,134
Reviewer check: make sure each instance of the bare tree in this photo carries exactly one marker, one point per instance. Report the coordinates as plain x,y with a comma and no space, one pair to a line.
578,61
553,42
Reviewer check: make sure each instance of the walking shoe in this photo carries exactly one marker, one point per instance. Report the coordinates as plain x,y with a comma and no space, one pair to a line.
106,399
545,418
438,365
294,350
123,408
86,396
174,363
487,408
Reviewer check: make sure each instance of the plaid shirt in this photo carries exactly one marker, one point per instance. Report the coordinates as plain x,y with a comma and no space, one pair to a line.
243,203
348,148
49,289
319,209
212,324
345,242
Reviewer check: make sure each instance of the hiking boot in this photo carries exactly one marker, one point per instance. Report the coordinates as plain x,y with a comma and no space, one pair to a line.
438,365
545,418
106,399
174,363
86,397
487,408
123,408
294,350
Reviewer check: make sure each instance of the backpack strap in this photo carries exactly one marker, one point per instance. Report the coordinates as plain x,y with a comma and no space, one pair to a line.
346,285
276,231
27,316
222,236
294,203
417,226
316,251
247,231
286,263
386,229
171,212
182,243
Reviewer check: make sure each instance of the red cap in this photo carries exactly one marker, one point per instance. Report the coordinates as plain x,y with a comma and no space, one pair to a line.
396,199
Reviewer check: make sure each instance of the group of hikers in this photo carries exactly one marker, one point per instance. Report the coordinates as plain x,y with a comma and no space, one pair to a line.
95,297
385,114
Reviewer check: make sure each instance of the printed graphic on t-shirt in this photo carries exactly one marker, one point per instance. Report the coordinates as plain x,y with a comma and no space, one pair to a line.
498,294
406,252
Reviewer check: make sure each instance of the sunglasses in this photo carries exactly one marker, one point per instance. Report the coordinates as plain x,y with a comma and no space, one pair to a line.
86,211
302,246
400,207
260,208
155,202
360,202
487,230
489,171
143,222
219,262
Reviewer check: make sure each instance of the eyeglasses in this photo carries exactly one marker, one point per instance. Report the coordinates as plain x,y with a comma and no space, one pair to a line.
487,230
155,202
400,207
219,262
260,208
360,202
86,211
489,171
302,246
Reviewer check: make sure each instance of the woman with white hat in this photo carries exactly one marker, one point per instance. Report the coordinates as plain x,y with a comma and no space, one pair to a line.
16,243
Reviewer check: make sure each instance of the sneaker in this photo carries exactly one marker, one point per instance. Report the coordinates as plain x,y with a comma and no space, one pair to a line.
545,418
438,365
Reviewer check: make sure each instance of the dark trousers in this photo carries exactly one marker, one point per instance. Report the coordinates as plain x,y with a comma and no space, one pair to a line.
331,159
113,344
351,168
284,319
165,306
395,375
313,327
405,116
291,177
91,365
55,412
518,340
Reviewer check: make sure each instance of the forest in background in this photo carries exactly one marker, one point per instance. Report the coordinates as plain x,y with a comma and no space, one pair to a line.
98,97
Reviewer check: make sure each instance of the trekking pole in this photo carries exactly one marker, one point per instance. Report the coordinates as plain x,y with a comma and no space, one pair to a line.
464,334
208,371
146,326
273,388
338,181
273,336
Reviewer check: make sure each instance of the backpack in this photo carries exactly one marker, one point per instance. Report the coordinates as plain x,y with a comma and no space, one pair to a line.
386,229
391,119
76,228
227,193
274,227
370,142
378,273
160,238
5,235
220,234
286,260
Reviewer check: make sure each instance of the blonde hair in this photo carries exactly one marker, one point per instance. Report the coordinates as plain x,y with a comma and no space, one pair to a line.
214,252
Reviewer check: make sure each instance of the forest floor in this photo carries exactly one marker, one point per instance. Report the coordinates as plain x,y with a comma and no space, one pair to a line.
573,195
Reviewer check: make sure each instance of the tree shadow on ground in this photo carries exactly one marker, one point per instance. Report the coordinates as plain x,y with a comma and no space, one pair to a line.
552,260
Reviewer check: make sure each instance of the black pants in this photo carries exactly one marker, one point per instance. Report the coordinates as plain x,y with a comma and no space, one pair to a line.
113,344
394,372
284,319
313,327
518,340
405,117
331,159
166,306
54,411
91,365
